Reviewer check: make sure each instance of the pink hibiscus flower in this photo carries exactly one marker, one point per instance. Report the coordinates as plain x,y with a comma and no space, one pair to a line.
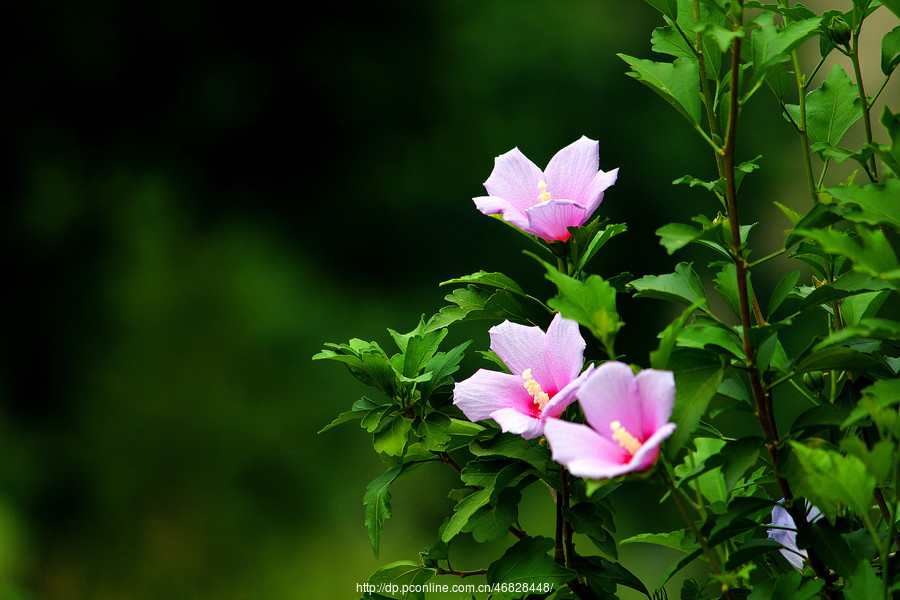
785,533
545,376
628,417
545,203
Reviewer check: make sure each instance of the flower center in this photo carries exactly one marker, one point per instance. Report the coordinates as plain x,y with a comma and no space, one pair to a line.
541,398
544,195
628,442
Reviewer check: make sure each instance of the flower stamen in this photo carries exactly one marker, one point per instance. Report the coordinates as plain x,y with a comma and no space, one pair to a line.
628,442
541,398
544,195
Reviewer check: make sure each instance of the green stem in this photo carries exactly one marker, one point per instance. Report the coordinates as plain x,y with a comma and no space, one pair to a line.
711,557
767,258
801,127
564,554
461,573
708,99
764,409
864,101
881,89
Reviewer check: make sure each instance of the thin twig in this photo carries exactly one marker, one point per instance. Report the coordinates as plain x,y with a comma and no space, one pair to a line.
764,408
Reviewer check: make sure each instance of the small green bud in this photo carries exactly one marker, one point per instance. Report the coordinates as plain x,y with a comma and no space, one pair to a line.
838,30
814,380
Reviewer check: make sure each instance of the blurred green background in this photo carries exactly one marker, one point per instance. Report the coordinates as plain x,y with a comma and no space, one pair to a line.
198,197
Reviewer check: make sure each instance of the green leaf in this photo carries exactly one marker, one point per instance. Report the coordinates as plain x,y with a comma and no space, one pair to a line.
472,303
589,519
705,333
392,436
874,203
377,501
667,7
513,446
496,280
683,286
863,583
820,215
893,6
360,409
463,511
667,40
839,155
787,586
591,302
751,550
703,464
829,545
527,562
890,51
843,358
879,459
881,395
696,380
402,573
676,236
491,523
442,366
726,284
739,457
858,308
866,330
678,83
873,256
798,12
367,362
827,479
659,358
831,109
770,46
432,431
680,540
889,154
782,291
600,570
585,249
417,348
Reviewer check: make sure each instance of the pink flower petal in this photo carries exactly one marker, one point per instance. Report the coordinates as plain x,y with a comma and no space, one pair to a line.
649,450
563,350
488,391
550,220
611,394
571,171
513,421
515,179
657,392
583,452
521,347
566,396
601,182
491,205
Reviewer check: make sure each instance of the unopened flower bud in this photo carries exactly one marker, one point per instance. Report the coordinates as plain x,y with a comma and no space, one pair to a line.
814,380
839,30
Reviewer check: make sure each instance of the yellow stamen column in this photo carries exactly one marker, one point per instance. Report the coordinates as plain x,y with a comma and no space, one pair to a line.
628,442
534,389
544,195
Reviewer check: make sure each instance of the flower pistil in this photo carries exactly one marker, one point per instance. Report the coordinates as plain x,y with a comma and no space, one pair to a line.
628,442
541,398
544,196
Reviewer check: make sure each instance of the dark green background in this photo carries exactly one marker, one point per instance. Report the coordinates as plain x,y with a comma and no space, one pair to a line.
198,197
